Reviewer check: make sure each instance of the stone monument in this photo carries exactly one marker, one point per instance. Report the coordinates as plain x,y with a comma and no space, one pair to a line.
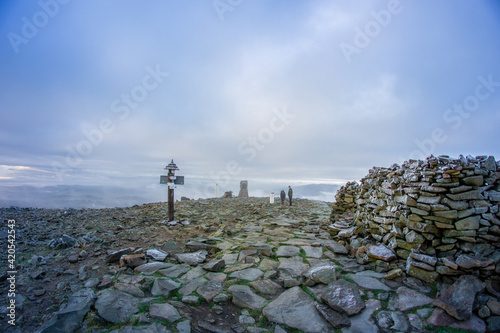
243,189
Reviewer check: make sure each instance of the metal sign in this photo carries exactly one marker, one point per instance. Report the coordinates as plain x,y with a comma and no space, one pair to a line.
163,179
179,180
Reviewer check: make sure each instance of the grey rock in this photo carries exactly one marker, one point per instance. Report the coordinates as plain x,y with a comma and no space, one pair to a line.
459,298
193,258
215,265
321,274
442,319
157,255
363,322
210,289
116,306
192,285
296,309
152,328
70,318
116,255
184,326
313,252
244,297
345,295
294,266
164,311
249,274
63,242
287,251
336,247
129,289
163,286
152,267
408,299
175,271
267,287
367,282
493,324
337,319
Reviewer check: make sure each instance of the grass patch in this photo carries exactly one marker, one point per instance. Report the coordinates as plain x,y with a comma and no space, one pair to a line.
310,293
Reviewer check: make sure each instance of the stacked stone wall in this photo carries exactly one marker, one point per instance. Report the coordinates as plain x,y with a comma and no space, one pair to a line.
441,208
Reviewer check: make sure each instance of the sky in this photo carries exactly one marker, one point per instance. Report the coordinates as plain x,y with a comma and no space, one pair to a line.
274,92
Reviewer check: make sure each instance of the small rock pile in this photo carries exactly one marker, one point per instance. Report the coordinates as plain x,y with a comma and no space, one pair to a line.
441,215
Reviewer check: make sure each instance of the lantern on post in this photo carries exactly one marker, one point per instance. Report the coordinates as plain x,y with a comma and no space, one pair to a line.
171,180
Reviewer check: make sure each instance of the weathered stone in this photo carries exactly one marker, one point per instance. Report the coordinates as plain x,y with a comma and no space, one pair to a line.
345,295
116,306
294,266
321,274
468,262
337,319
193,258
210,289
249,274
152,267
175,271
424,275
244,297
71,317
215,265
296,309
157,255
459,298
469,223
368,282
164,311
116,255
409,299
470,195
287,251
473,180
267,287
313,252
380,252
441,319
163,286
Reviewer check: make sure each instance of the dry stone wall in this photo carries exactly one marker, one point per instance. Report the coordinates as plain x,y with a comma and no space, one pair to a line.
441,215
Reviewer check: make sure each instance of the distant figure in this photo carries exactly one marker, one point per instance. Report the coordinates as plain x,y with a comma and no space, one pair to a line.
282,196
290,194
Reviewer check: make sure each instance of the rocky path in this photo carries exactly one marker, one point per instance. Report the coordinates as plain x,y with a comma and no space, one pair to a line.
233,265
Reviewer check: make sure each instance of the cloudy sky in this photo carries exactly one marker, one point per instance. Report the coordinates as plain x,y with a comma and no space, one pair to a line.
283,92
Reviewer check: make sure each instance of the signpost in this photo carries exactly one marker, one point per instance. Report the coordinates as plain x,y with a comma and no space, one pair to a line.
171,180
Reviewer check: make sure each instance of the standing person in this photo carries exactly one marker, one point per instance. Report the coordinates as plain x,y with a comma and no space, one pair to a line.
290,194
282,196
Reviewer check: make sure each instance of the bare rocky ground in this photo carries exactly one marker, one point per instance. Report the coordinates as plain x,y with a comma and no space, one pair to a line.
224,265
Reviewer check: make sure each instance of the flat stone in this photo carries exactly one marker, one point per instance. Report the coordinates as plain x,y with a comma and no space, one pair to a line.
215,265
157,255
129,289
335,247
442,319
474,180
345,295
191,286
313,252
321,274
367,282
409,299
152,328
468,262
116,306
287,251
175,271
210,289
163,286
252,228
249,274
152,267
164,311
268,265
193,258
294,266
396,321
296,309
337,319
267,287
469,223
380,252
363,322
244,297
459,298
470,195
